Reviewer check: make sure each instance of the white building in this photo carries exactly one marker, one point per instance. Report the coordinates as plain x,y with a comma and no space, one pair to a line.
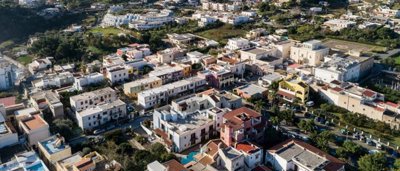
298,155
385,11
35,128
24,161
111,20
39,65
159,95
205,21
8,135
186,123
338,68
252,154
102,113
237,43
117,74
54,80
168,73
309,53
8,75
91,99
31,3
339,24
231,158
152,19
86,80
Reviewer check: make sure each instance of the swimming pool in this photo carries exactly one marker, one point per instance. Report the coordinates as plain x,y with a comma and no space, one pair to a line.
189,158
37,167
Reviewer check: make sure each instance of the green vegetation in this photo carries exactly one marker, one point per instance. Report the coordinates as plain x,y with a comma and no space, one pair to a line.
361,122
25,59
6,44
106,31
350,149
65,127
25,22
390,94
372,162
222,33
321,140
75,47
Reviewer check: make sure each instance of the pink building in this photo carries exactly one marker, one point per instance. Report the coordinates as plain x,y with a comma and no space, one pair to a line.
240,125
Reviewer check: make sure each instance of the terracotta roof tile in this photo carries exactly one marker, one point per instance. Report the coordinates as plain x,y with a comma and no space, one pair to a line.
234,116
8,101
35,122
174,165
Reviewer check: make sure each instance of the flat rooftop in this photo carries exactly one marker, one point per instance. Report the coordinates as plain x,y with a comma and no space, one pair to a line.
54,144
35,122
302,156
95,93
191,122
101,107
142,81
252,89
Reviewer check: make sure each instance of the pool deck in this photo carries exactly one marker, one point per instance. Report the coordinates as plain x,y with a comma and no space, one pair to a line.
191,149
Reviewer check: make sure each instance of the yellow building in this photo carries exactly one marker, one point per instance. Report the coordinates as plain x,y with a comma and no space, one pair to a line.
293,88
134,87
187,69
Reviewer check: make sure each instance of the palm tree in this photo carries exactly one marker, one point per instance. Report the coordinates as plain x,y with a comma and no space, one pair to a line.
259,105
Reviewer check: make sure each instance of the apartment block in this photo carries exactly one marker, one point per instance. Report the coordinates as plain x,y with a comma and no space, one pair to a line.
91,99
100,114
184,123
238,44
134,87
86,80
168,74
217,76
117,74
309,53
343,68
240,125
152,97
293,89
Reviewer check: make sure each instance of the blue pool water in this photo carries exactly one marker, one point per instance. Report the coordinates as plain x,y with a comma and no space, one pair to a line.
189,157
37,167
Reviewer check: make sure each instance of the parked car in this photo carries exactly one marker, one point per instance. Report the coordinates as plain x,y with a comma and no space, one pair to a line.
98,131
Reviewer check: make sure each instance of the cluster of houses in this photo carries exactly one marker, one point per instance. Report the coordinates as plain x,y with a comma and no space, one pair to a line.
153,18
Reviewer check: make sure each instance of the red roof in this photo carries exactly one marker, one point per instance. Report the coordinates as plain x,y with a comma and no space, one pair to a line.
8,101
338,89
246,147
369,93
294,66
285,94
174,165
333,165
164,136
262,168
234,115
392,104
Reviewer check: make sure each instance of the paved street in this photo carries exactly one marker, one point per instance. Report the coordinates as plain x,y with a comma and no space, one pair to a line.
133,124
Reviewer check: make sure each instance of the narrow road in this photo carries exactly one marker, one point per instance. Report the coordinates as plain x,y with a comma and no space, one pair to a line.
388,53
